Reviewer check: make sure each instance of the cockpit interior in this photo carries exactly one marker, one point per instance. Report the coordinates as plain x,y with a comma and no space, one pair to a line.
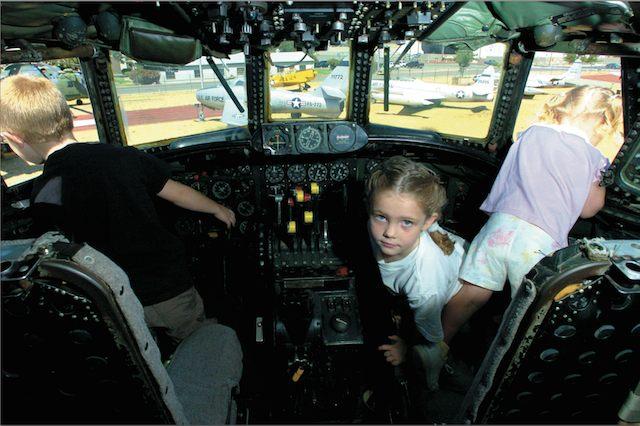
280,111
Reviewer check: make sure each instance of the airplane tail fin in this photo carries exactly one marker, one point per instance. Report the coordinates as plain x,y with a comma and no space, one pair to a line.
484,84
490,70
575,71
338,79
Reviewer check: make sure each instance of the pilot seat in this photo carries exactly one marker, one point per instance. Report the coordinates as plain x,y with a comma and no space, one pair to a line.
76,349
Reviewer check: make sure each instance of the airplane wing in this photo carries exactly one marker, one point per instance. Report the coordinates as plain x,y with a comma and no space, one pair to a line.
531,91
417,98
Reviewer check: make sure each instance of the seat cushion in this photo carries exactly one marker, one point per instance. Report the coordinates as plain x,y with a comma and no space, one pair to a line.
205,368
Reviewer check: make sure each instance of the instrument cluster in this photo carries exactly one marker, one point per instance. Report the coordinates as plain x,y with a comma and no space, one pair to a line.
233,187
321,172
311,138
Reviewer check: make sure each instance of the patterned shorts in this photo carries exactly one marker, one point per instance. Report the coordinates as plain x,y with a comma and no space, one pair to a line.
505,247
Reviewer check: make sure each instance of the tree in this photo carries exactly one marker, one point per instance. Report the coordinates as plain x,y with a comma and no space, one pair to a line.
286,46
570,58
72,63
590,59
142,76
333,62
463,59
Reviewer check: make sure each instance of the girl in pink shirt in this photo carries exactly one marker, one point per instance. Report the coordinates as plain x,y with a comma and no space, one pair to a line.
550,178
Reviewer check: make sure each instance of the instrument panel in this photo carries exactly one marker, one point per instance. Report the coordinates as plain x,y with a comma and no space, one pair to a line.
336,171
311,138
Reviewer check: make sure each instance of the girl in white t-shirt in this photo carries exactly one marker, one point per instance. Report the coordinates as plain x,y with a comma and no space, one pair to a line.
417,259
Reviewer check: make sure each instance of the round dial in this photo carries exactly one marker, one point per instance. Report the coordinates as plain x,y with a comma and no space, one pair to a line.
244,170
317,172
274,174
198,186
245,227
277,139
221,189
372,164
339,171
309,139
245,208
342,138
296,173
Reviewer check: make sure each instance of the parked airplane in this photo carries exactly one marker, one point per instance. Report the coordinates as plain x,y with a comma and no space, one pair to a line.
417,95
294,78
326,101
70,83
569,78
537,81
529,91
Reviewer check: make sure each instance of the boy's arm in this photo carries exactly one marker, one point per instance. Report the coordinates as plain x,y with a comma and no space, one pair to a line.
595,201
188,198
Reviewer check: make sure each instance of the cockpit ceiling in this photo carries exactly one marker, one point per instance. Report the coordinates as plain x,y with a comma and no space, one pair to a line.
226,27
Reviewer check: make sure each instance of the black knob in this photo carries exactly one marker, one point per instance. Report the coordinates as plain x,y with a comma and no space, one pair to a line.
340,323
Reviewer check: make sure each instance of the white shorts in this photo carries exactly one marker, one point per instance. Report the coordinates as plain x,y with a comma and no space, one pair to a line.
505,247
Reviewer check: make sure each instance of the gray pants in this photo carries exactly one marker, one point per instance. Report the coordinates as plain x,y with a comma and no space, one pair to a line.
180,316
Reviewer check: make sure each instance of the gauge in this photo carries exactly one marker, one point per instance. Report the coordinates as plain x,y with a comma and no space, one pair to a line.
245,208
201,185
277,139
221,189
339,171
245,227
342,138
244,170
274,174
372,164
244,187
196,185
309,139
297,173
317,172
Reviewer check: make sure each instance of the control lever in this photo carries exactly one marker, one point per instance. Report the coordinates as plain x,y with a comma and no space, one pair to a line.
277,198
325,235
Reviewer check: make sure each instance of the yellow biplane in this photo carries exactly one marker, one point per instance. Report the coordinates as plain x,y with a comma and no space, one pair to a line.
299,78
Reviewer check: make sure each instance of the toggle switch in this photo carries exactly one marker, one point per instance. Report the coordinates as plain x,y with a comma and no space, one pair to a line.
308,216
291,227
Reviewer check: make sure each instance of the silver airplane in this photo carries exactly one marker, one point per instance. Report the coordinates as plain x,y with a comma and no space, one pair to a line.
326,101
417,95
569,78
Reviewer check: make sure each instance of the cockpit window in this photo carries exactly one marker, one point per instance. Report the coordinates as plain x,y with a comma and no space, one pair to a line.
303,86
438,88
158,103
553,74
68,78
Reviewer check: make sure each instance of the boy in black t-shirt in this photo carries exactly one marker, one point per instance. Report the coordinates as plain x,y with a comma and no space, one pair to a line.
104,195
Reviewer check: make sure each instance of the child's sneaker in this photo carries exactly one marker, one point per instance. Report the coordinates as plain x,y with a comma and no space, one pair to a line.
432,358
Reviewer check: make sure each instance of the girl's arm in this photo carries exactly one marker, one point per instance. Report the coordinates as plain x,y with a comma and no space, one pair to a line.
595,201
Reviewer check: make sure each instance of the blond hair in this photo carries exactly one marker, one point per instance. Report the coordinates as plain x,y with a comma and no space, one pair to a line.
405,176
34,109
585,103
